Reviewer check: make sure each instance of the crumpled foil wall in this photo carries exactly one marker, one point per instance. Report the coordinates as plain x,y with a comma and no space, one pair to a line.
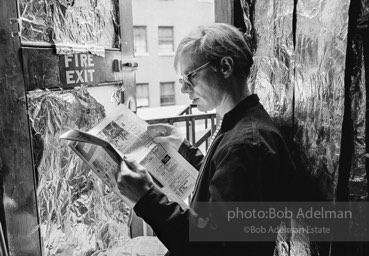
78,214
298,73
302,85
321,42
271,76
357,180
73,25
358,177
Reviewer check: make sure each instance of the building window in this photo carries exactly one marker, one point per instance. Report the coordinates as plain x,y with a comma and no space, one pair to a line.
167,96
142,95
140,39
166,39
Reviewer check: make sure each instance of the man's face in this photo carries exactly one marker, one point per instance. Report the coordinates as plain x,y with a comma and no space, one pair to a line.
204,90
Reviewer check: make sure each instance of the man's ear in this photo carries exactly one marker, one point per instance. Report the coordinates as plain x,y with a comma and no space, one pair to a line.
226,66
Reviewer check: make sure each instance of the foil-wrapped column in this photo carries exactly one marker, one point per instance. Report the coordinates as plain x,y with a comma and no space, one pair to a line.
78,213
358,181
366,63
321,41
271,76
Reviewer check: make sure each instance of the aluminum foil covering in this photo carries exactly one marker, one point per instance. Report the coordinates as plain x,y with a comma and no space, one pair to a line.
365,8
309,75
138,246
73,25
358,180
78,214
248,13
271,76
321,41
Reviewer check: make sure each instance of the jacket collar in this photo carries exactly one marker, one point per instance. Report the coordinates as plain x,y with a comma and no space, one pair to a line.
233,116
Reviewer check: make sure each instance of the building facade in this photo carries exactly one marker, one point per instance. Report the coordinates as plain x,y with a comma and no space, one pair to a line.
159,25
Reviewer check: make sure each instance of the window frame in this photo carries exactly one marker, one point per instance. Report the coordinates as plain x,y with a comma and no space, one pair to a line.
161,41
143,53
148,94
173,95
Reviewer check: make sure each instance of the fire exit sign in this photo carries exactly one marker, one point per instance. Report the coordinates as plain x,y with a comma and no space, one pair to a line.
78,69
44,69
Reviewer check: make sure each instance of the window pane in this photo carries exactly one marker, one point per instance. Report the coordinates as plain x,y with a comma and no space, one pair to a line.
167,96
166,39
140,39
142,95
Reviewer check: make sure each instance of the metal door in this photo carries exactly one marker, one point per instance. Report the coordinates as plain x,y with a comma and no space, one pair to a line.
52,45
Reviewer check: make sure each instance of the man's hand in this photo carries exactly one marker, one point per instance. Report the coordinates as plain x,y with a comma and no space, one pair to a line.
166,134
133,179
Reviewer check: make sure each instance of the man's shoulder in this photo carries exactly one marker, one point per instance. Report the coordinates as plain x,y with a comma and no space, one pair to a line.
252,129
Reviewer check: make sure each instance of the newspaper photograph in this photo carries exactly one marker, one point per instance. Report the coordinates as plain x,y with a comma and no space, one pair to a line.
127,133
101,163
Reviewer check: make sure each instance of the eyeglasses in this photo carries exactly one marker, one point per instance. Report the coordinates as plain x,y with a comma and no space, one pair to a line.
187,78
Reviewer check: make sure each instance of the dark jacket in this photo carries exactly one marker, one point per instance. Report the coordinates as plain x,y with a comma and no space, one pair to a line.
248,161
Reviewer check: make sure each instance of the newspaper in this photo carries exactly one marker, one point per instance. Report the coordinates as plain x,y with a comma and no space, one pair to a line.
124,133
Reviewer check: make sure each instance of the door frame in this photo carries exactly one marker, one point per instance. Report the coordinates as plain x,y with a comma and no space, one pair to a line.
18,210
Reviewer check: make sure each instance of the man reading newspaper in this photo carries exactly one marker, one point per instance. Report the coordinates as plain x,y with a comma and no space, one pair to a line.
247,160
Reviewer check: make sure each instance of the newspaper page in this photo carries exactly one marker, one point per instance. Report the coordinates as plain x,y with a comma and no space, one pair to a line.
128,134
101,163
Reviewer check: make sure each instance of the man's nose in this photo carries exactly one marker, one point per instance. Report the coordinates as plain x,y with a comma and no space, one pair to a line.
185,88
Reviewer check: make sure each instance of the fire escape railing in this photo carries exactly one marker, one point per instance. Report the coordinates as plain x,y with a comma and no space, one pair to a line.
190,119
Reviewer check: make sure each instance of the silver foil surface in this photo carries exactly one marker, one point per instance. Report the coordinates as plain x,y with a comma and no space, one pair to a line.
271,75
302,85
358,180
78,214
321,42
89,23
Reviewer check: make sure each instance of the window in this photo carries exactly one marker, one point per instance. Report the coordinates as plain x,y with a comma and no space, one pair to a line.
166,39
167,96
140,39
142,95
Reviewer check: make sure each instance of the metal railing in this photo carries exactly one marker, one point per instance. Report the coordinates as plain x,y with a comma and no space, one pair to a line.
187,117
